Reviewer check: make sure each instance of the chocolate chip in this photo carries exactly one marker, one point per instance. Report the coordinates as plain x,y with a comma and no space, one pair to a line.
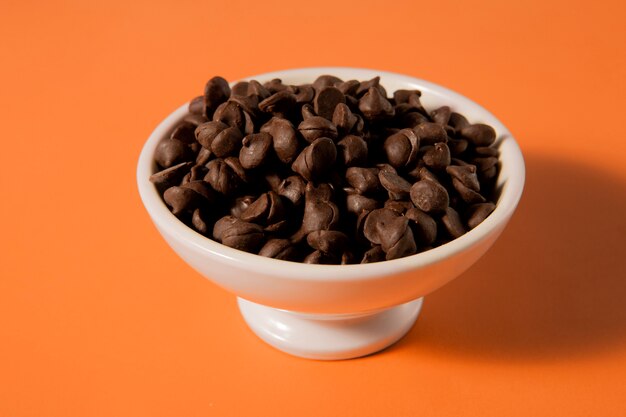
399,207
257,211
273,180
279,249
357,203
199,221
376,254
441,116
401,148
479,212
222,177
402,96
398,196
365,86
267,209
348,257
326,100
202,188
328,241
410,120
359,233
181,199
424,226
437,157
374,106
275,85
307,112
452,221
206,132
319,215
278,103
240,89
305,94
483,164
321,191
352,150
188,196
196,105
204,156
249,104
430,133
184,132
394,183
255,149
235,165
460,162
457,121
425,174
170,152
240,205
363,180
230,113
352,103
315,127
216,92
466,174
413,174
284,139
238,234
344,119
319,257
292,188
222,225
486,151
457,146
326,81
227,142
377,223
391,231
386,168
429,196
478,134
195,147
467,194
489,175
415,104
349,87
359,126
405,246
315,161
196,173
172,175
257,89
277,228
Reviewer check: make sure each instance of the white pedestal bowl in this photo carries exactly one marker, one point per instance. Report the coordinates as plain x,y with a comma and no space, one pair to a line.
337,311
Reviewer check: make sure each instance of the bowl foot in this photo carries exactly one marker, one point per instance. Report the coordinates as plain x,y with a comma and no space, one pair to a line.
330,336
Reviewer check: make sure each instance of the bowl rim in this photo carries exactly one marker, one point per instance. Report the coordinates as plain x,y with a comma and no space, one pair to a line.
509,197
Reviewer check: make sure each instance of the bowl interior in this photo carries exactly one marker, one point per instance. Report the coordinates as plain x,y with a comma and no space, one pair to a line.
510,184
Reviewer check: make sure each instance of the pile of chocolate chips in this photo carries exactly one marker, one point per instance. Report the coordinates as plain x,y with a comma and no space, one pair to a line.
333,172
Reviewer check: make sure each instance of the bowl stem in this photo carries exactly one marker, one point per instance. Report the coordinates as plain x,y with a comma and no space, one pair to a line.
328,336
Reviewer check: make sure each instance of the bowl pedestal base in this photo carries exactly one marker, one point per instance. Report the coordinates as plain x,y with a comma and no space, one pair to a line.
330,336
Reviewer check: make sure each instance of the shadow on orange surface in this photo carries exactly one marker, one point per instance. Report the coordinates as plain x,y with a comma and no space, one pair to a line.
553,285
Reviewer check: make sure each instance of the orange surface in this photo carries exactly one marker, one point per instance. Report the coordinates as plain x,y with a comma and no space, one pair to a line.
98,317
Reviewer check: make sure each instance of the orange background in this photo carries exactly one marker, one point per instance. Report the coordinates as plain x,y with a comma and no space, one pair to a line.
98,317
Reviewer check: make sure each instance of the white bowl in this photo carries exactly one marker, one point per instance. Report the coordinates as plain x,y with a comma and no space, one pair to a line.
337,311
